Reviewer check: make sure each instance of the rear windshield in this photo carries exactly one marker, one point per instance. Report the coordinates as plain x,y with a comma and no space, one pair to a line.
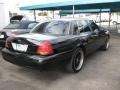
13,26
21,25
53,27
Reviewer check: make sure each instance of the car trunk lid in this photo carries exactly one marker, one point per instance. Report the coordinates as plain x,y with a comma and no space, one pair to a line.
38,37
27,43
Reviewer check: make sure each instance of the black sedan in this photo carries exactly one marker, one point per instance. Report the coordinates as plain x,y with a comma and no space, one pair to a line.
15,28
57,40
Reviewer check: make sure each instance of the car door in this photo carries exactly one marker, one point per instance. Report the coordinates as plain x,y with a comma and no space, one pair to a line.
97,35
87,40
85,35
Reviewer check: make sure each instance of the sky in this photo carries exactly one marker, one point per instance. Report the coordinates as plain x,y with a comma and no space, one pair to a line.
13,4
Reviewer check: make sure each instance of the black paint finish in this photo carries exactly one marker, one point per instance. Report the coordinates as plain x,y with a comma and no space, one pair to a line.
89,37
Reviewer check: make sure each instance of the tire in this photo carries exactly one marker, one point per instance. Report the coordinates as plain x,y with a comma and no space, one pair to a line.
114,22
106,45
76,62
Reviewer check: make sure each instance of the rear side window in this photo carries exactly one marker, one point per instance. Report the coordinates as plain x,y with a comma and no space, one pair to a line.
81,23
20,25
53,27
82,26
75,28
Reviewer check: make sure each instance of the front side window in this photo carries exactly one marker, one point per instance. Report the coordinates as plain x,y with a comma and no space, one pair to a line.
94,26
85,29
53,27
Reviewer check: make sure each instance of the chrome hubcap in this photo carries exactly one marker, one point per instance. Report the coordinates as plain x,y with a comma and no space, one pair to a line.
78,62
107,45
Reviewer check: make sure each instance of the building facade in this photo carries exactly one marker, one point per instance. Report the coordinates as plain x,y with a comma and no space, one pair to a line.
4,15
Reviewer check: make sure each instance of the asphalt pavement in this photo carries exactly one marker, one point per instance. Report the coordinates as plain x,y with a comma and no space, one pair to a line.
101,71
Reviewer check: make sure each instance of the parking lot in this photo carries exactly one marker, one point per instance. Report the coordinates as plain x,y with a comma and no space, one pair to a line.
101,71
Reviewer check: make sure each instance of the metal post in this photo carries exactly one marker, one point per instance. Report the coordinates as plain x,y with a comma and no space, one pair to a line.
53,13
34,15
73,11
117,21
100,17
47,13
109,18
60,15
117,16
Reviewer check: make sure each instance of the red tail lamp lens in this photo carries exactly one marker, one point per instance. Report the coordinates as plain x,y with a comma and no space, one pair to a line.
14,33
45,48
6,44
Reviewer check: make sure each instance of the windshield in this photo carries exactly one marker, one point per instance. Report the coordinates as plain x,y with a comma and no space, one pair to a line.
53,27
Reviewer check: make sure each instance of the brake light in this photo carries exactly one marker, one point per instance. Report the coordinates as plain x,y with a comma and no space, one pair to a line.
6,43
45,48
14,33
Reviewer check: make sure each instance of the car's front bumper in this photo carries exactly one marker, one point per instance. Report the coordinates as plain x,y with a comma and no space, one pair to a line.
32,60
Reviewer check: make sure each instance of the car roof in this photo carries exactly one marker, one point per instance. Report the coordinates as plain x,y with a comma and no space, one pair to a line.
68,20
72,19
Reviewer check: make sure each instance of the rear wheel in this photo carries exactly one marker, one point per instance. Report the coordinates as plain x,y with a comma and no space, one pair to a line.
76,62
114,22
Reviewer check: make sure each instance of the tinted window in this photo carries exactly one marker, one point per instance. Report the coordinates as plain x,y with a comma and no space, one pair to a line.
78,26
53,27
94,26
13,26
21,25
81,26
75,28
81,23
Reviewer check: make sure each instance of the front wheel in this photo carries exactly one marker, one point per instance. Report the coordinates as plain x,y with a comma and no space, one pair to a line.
76,62
114,22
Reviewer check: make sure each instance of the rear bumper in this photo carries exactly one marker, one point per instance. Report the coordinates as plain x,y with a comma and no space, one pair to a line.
33,60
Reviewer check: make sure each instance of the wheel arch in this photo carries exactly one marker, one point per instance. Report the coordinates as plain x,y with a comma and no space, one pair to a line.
108,36
82,47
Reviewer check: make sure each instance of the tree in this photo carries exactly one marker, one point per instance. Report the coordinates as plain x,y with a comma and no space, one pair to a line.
42,14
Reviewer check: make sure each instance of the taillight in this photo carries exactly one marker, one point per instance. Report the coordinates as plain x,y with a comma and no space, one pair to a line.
45,48
14,33
6,43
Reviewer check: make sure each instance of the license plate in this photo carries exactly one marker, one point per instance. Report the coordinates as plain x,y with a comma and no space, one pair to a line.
1,36
19,47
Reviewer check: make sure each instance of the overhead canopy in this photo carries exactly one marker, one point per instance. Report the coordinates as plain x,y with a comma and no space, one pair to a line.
79,4
84,11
